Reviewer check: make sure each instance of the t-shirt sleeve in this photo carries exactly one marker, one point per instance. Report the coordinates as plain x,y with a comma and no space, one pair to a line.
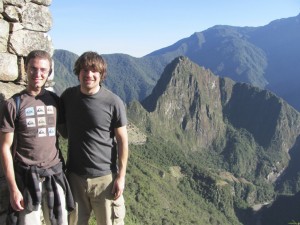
120,114
7,116
62,107
60,111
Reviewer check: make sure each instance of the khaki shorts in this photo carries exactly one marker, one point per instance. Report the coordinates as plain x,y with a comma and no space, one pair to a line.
94,194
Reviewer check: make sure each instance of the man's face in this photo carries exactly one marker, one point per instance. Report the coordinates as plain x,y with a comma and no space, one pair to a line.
89,80
37,73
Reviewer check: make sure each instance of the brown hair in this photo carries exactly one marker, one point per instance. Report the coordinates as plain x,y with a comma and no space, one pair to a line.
91,60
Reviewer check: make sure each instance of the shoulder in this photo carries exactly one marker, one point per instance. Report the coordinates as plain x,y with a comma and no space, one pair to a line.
69,91
111,96
11,102
17,96
52,94
15,100
8,113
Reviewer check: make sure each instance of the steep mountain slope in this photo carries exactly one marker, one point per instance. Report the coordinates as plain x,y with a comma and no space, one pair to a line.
189,93
230,140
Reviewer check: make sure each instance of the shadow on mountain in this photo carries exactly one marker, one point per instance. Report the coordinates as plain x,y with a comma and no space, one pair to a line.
286,208
250,108
288,181
283,211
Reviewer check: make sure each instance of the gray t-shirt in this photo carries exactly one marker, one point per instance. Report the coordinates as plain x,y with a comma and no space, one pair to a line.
35,133
90,121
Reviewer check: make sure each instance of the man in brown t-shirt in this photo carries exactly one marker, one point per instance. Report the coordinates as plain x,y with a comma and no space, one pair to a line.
33,166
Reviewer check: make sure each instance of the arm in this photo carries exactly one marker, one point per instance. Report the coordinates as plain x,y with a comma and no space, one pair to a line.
16,198
62,130
122,141
61,124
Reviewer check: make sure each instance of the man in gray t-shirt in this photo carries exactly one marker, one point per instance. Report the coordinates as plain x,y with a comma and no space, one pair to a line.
97,144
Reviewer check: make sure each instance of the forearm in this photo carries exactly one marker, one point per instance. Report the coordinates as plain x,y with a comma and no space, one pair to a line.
122,141
8,168
6,140
123,158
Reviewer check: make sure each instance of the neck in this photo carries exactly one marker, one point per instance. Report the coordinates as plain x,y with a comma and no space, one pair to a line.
34,92
89,91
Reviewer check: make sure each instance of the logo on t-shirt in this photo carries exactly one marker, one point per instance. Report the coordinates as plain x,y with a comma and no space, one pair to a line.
51,131
30,122
42,121
42,132
50,109
40,110
29,111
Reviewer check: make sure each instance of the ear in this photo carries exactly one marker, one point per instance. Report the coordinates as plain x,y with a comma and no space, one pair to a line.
50,71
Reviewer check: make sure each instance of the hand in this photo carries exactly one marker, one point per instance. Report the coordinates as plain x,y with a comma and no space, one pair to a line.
16,200
118,187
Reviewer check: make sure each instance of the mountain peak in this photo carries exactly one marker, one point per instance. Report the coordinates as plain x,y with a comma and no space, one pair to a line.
189,96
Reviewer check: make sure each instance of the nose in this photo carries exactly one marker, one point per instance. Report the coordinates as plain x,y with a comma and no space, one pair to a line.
89,72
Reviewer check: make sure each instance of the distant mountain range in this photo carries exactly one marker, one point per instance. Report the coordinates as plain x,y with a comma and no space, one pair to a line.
266,57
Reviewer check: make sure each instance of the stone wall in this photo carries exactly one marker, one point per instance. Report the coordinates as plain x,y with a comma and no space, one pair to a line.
23,27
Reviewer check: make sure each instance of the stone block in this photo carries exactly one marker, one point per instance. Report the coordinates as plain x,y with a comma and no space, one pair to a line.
8,67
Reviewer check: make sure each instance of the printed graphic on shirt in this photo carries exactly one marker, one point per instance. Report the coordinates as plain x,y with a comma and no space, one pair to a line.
29,111
37,117
51,131
42,132
40,110
50,109
51,121
42,121
30,122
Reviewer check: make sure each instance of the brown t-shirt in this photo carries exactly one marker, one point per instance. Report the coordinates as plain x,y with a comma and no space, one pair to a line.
35,133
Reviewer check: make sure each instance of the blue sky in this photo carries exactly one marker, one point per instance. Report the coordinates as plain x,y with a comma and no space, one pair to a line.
138,27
